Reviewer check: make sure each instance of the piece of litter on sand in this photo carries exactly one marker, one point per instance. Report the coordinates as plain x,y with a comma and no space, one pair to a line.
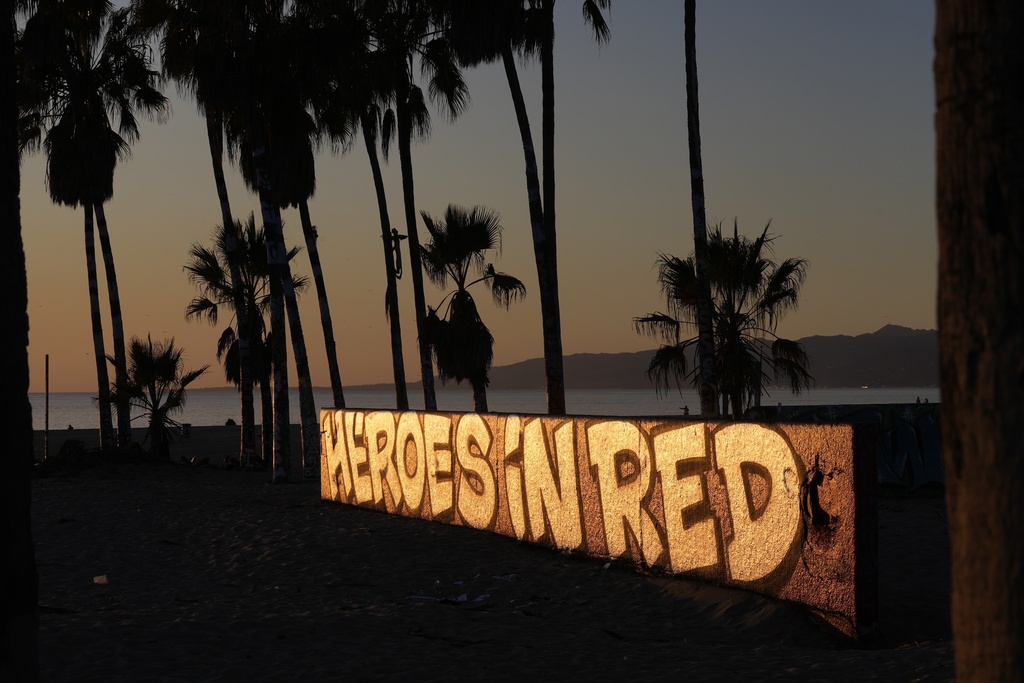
100,580
607,564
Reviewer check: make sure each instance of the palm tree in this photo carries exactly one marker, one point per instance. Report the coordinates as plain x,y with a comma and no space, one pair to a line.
209,272
269,72
751,293
189,51
400,30
979,125
19,580
156,387
80,62
485,32
708,385
351,101
239,82
392,254
461,343
293,178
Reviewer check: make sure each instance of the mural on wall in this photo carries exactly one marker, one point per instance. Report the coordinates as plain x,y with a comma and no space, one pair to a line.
769,508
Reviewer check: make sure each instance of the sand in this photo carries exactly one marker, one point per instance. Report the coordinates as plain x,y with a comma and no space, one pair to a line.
174,573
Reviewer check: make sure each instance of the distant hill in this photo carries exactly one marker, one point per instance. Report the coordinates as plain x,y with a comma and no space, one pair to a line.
893,356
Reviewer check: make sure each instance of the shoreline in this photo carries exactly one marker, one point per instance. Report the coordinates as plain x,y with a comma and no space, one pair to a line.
212,442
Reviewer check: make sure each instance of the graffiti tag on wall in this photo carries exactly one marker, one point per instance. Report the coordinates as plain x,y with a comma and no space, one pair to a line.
769,508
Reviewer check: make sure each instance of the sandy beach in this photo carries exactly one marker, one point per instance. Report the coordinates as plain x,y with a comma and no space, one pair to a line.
175,573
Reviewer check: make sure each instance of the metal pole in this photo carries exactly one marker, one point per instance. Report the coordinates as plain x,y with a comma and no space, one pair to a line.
46,425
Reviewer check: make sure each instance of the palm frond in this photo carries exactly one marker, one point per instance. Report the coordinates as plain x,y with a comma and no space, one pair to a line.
388,128
678,281
202,308
790,362
505,288
418,112
446,85
658,325
595,19
668,366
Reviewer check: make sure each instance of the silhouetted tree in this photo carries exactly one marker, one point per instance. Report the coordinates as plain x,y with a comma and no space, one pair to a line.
751,293
358,89
980,160
156,386
401,30
19,581
190,47
369,125
293,179
707,385
485,32
208,271
460,341
241,85
81,61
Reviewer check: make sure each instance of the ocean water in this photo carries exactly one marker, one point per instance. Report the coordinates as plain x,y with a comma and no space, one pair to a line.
208,407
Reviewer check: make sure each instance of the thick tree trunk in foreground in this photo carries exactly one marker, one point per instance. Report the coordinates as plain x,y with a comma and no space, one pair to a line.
246,376
19,582
124,419
391,295
309,234
980,160
707,377
102,378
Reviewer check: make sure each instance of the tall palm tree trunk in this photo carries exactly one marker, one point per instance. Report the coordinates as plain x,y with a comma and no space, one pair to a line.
309,233
309,425
479,395
979,127
19,580
245,364
707,379
415,266
548,292
552,319
124,418
277,260
102,379
391,296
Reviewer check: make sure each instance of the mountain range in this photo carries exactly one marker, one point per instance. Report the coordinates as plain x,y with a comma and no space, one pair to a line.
894,356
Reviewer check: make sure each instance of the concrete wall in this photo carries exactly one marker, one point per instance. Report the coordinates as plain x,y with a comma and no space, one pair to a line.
784,510
909,444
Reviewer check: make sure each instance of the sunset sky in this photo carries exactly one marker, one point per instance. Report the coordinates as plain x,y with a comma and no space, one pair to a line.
816,116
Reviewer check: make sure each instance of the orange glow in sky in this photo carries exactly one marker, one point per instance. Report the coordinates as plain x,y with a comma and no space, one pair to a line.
816,116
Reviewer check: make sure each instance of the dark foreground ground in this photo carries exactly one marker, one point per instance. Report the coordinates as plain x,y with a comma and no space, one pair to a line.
174,573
